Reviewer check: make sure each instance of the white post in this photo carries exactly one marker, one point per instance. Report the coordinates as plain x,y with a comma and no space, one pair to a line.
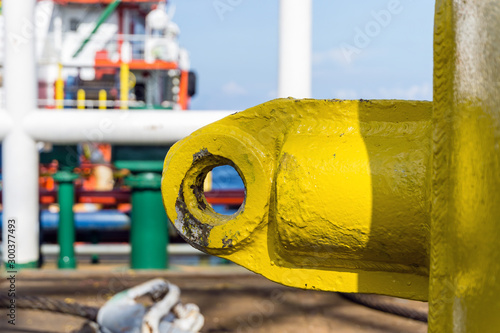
20,156
5,124
295,32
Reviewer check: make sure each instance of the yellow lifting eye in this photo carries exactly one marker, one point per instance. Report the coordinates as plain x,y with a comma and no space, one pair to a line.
186,167
322,179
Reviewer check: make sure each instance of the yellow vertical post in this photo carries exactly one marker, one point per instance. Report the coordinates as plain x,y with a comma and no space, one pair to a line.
59,87
103,98
80,99
124,85
465,248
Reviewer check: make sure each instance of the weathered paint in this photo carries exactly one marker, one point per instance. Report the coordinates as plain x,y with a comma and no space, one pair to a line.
336,193
465,256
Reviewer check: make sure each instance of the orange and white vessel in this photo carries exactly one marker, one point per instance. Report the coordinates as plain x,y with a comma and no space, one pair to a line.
111,54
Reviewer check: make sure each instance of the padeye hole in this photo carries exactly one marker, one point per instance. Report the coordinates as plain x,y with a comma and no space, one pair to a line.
224,190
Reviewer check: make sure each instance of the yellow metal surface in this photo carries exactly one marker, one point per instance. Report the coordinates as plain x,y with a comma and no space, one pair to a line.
465,265
336,193
124,85
59,88
103,98
80,99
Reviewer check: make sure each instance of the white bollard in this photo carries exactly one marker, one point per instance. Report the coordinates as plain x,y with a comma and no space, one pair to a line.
295,33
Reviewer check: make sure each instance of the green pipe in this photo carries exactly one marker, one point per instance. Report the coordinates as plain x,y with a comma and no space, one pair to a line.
66,228
149,225
104,16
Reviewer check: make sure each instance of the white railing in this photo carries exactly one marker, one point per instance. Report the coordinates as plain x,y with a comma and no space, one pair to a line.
95,104
119,249
142,47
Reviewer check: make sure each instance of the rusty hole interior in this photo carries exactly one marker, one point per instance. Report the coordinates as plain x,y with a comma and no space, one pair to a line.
199,202
224,188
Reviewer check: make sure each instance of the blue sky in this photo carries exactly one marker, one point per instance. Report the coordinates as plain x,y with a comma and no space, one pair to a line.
235,52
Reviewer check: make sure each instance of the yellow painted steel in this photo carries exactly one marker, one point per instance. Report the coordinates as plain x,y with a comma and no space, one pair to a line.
336,195
465,265
103,99
59,88
124,85
80,99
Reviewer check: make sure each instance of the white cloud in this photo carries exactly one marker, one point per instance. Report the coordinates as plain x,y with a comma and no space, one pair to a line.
414,92
233,88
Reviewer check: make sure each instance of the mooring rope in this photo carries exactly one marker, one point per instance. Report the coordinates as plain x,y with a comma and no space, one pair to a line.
374,302
49,304
90,313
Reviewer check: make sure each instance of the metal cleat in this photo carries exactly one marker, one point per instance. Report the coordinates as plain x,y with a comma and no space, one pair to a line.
167,315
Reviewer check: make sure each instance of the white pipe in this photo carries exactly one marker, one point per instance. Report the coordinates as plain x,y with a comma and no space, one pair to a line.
5,124
20,156
295,32
120,249
119,127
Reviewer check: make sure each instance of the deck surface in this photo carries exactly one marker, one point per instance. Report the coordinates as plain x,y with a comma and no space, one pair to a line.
231,299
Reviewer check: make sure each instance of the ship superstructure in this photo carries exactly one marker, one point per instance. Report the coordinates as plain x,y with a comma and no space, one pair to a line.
124,53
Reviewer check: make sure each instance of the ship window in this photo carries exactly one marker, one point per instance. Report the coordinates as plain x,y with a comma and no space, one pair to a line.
73,24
